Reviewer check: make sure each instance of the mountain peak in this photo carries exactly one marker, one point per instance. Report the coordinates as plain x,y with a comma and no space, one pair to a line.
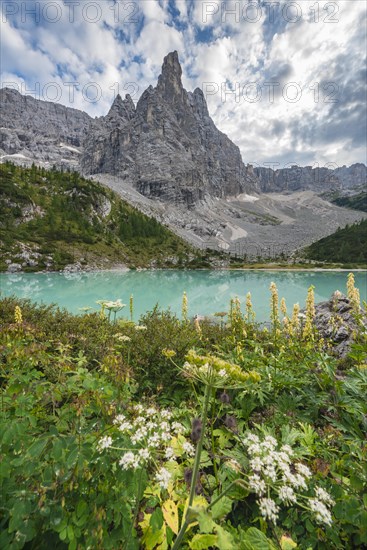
169,81
122,108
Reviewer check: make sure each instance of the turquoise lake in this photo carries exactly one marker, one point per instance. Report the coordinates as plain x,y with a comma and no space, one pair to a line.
208,291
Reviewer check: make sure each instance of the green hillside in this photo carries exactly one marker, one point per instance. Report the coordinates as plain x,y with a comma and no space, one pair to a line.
347,245
49,219
357,202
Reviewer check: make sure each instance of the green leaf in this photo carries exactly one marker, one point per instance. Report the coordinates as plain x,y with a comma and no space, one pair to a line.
156,520
206,523
255,540
202,542
82,508
37,448
221,508
72,458
225,539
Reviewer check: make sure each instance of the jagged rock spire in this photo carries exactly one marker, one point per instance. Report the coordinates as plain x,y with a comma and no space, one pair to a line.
169,81
122,108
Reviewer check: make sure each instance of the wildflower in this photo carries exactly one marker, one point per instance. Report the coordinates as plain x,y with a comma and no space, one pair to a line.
254,449
287,449
197,326
303,470
168,353
184,307
231,422
125,426
151,411
274,306
124,338
250,314
104,443
283,307
270,472
144,454
177,427
286,494
256,463
270,442
353,294
188,448
197,426
119,419
169,453
140,327
131,306
165,413
257,484
128,460
153,441
310,313
18,315
114,306
322,513
234,464
324,496
224,397
222,373
253,438
268,509
163,477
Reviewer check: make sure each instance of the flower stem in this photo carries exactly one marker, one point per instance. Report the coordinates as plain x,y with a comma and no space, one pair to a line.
195,472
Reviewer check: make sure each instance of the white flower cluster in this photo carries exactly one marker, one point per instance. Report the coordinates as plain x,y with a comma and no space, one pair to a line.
151,432
321,511
163,477
104,443
273,469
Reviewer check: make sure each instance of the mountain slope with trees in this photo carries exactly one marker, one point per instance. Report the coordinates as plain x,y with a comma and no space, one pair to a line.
51,219
347,245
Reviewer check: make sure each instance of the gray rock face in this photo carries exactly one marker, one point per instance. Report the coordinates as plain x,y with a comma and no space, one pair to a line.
169,147
297,178
336,323
40,131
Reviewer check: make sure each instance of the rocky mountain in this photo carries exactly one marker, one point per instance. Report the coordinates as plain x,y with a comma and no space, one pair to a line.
168,147
166,156
297,178
41,131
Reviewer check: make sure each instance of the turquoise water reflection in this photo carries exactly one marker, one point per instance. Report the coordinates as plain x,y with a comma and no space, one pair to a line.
207,291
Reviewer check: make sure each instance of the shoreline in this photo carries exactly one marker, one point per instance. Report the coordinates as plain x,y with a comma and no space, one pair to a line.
138,270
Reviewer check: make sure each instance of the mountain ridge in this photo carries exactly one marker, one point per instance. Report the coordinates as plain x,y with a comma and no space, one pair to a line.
168,145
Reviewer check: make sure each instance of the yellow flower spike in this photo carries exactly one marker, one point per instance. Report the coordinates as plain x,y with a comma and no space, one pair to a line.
197,326
250,314
283,307
310,313
353,294
185,308
274,305
295,317
18,315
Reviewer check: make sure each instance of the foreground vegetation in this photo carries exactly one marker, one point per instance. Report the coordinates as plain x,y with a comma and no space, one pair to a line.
172,433
50,219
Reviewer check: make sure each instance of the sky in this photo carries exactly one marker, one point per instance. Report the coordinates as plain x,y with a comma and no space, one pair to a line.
285,80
